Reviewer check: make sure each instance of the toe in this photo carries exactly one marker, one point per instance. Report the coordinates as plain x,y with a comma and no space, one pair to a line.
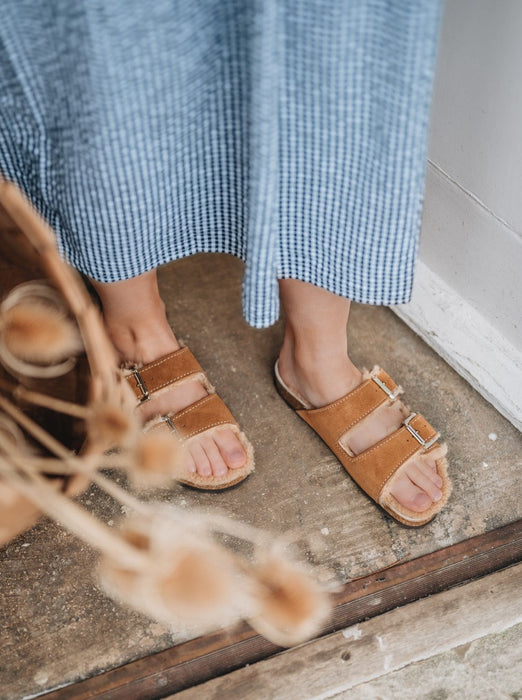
216,461
230,448
425,482
188,462
429,462
413,497
421,502
200,458
411,494
430,472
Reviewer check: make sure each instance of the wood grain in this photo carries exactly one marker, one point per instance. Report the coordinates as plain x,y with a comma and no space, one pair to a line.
340,661
200,660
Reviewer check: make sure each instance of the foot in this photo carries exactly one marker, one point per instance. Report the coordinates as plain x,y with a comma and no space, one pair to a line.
209,454
417,484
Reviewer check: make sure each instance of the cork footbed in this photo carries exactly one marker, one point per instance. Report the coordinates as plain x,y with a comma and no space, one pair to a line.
385,499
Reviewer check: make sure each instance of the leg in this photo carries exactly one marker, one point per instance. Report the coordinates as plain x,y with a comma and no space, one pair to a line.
314,361
135,319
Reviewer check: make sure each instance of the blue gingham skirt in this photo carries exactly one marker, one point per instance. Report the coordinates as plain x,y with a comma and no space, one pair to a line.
289,133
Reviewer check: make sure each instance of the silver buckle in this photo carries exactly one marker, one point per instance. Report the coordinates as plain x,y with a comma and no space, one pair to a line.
425,443
141,385
168,420
392,394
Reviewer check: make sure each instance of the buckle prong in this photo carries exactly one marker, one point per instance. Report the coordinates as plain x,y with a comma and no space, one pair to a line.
168,420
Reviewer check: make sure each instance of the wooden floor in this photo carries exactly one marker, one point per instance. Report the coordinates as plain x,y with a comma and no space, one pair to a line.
244,665
362,660
59,630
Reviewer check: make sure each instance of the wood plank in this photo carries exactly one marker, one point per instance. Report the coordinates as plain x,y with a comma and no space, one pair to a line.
489,668
358,654
199,660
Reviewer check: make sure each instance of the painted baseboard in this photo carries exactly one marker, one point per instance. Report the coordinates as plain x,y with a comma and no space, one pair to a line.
467,341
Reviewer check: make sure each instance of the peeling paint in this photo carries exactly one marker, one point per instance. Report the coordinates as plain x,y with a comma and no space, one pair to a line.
353,632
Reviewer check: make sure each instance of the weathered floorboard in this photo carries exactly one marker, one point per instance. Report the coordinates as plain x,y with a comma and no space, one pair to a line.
193,662
326,667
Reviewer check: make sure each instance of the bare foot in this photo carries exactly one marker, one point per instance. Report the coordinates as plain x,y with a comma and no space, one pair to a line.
207,454
135,320
417,484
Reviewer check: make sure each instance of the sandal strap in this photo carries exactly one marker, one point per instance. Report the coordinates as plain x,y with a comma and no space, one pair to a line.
332,421
374,467
206,413
172,368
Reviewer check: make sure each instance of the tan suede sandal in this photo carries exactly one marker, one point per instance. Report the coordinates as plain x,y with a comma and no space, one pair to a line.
207,414
374,469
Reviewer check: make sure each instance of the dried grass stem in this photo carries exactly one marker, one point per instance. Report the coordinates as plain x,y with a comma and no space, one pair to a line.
73,517
67,407
43,437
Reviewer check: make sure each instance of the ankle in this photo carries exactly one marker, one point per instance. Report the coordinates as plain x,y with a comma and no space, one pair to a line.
320,377
141,341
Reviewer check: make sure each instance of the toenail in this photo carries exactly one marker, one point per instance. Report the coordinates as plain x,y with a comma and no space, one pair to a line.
236,457
422,500
437,495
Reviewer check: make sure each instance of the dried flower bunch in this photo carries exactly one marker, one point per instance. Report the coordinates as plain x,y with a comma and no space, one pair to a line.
173,564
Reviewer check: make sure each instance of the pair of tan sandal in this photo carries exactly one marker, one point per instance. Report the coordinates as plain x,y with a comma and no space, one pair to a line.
373,470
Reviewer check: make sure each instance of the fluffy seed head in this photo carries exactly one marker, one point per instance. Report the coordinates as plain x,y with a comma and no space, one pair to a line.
199,583
109,425
187,581
291,605
137,539
157,459
38,332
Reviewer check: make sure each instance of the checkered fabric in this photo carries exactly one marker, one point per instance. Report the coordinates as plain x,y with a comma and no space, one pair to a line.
289,133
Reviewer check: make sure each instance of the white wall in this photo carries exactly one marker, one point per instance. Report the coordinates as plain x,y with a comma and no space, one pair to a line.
471,242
